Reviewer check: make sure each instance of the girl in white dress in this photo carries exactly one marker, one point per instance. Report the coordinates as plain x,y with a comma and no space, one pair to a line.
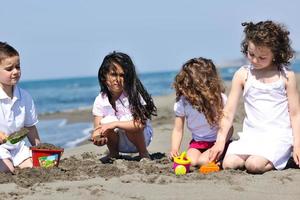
271,128
199,102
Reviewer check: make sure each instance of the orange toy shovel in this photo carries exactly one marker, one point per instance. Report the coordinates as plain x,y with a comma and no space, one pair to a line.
209,168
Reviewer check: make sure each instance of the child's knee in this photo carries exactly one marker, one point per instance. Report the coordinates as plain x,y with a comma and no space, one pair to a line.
191,153
6,167
194,161
28,163
197,158
126,118
203,160
109,119
232,162
253,166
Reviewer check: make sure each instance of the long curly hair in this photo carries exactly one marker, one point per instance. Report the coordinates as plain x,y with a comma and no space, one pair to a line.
272,35
133,87
199,82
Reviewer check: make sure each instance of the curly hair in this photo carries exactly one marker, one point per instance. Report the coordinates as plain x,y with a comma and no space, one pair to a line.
272,35
199,82
132,86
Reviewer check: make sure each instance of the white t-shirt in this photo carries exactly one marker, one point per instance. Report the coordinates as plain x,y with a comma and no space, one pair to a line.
103,108
17,112
196,121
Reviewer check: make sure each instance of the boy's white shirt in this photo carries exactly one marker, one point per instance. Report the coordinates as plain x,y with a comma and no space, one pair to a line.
17,112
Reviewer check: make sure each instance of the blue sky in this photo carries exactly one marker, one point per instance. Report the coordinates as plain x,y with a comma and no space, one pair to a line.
69,38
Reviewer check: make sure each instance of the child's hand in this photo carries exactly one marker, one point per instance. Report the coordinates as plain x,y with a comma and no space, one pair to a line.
100,141
3,137
103,129
296,155
216,151
97,138
173,153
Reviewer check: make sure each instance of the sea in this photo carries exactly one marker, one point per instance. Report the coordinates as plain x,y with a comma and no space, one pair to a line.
59,95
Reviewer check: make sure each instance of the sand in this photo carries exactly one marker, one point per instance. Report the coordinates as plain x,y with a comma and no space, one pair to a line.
81,175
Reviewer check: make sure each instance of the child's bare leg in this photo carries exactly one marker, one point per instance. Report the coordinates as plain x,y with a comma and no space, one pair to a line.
233,161
197,158
113,144
6,166
138,139
258,165
26,163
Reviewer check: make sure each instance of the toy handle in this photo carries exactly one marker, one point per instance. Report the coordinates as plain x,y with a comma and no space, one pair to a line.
183,155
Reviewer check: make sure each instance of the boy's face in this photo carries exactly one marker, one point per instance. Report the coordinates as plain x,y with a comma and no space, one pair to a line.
10,71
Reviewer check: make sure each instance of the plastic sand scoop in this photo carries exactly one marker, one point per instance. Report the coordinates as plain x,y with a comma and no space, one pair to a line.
17,136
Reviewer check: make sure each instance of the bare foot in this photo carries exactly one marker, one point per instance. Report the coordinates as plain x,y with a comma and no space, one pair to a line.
108,159
144,156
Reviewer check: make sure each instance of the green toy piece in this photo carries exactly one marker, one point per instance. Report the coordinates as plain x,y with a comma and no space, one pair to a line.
17,136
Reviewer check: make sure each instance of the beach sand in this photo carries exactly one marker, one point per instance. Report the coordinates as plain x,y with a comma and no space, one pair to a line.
81,175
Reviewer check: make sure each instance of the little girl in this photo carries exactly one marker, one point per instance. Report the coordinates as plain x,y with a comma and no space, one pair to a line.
271,127
199,101
123,109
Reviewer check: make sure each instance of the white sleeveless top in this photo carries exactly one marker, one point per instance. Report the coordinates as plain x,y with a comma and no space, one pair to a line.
267,130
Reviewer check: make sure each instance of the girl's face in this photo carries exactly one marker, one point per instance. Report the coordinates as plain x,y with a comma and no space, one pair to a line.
115,80
10,71
259,56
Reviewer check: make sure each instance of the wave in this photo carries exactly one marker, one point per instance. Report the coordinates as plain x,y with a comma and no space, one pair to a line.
76,142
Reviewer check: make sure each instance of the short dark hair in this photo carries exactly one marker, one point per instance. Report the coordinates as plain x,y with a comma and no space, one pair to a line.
7,51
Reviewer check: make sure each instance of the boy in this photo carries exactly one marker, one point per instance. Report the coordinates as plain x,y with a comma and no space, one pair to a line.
16,111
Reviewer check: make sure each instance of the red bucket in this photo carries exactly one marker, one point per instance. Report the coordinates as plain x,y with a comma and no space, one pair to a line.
46,157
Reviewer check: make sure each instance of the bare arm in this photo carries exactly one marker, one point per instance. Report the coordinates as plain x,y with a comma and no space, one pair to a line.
177,136
3,137
229,110
33,136
128,126
294,111
97,124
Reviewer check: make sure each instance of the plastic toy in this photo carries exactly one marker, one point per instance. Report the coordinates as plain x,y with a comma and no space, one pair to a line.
181,164
17,136
46,157
209,168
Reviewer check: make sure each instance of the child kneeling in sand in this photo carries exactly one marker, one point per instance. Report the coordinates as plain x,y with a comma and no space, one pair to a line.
199,102
271,127
16,111
123,109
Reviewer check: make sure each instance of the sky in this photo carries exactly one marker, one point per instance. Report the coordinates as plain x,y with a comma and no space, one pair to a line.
70,38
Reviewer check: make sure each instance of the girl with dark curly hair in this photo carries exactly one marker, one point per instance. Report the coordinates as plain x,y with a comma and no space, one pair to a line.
271,127
123,109
199,102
